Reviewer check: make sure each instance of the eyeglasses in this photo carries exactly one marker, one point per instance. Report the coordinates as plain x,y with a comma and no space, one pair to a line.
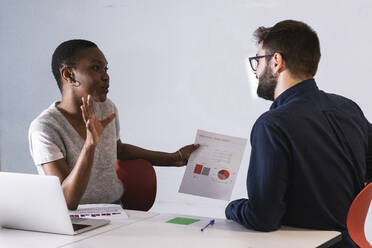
254,60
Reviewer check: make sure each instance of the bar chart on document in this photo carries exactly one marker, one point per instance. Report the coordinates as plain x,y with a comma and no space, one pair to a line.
212,169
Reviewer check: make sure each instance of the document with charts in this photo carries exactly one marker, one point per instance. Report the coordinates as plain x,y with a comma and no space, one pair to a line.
212,169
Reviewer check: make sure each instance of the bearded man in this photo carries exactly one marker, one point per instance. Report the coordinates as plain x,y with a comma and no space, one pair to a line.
311,152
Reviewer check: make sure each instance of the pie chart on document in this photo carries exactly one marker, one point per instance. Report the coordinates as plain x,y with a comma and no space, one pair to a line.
223,174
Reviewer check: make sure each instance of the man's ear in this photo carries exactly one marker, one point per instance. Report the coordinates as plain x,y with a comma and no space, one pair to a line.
67,74
278,63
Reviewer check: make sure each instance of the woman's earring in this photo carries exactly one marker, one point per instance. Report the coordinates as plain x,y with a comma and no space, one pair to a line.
76,83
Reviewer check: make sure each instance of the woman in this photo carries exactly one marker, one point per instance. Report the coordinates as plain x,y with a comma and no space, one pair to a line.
77,139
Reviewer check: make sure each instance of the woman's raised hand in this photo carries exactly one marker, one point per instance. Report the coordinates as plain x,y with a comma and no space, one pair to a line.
94,127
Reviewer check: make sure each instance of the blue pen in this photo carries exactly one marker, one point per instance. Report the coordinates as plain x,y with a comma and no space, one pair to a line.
210,223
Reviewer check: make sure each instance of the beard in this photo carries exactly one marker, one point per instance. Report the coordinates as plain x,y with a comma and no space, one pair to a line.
266,84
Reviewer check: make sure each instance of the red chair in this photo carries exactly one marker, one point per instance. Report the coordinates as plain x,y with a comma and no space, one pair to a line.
139,180
357,215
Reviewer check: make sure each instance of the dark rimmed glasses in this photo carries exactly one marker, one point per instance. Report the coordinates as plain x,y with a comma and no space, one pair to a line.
254,60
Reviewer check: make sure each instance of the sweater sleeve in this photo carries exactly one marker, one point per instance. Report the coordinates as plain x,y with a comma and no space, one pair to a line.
267,180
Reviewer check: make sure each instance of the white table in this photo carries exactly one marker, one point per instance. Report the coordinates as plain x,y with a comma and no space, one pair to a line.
150,230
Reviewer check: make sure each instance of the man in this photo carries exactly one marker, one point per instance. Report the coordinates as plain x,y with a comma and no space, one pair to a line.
310,151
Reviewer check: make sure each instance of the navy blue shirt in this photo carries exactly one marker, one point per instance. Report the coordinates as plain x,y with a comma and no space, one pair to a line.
308,161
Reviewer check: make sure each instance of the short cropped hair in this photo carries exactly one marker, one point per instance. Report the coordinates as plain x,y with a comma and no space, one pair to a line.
66,55
297,42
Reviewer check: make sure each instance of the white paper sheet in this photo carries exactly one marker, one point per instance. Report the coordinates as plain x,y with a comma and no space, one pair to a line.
99,211
368,225
212,169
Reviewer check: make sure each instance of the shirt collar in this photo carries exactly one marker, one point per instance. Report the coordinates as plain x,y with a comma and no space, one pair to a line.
296,90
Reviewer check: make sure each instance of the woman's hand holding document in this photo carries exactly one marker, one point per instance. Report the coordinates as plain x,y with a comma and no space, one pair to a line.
211,170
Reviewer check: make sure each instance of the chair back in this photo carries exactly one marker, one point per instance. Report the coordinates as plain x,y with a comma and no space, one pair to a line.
139,181
356,216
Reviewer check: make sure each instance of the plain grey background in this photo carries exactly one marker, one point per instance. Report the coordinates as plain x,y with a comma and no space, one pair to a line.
175,66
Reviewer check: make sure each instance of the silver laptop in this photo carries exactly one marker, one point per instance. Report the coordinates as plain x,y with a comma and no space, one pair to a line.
36,203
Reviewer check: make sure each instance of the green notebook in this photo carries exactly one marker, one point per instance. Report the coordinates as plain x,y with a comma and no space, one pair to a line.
182,221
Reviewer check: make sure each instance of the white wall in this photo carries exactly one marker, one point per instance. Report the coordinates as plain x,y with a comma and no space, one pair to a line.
175,66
